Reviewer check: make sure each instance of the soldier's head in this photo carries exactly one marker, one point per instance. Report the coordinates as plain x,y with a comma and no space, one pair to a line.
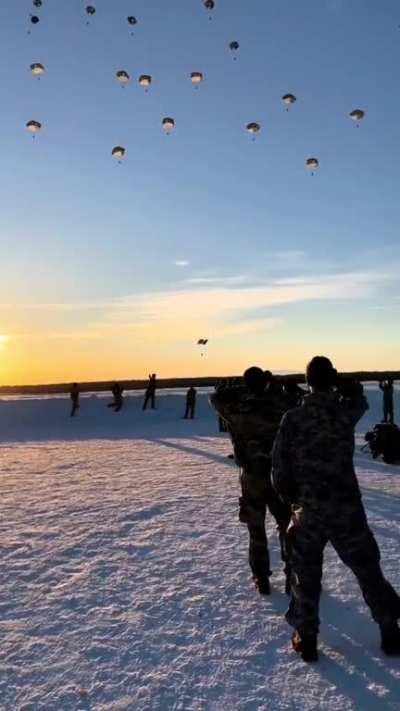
320,374
255,379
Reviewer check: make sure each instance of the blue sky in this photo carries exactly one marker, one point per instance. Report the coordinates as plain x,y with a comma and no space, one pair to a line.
290,261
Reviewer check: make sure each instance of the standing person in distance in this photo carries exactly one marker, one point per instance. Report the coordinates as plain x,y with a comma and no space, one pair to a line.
313,472
117,391
388,406
191,397
253,413
150,394
74,395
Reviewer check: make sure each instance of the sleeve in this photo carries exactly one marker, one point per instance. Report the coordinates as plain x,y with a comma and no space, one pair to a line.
356,404
282,475
225,401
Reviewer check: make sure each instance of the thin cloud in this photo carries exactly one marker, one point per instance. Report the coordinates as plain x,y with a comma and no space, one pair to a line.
181,263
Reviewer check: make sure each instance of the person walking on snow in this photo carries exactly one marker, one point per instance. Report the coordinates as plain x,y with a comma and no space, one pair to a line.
313,472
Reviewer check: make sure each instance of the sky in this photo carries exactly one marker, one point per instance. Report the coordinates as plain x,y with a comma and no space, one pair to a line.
113,270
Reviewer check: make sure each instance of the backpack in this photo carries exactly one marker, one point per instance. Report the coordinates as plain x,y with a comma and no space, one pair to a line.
384,440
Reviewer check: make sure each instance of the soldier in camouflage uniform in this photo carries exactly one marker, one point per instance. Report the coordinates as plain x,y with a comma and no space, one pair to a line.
253,413
313,471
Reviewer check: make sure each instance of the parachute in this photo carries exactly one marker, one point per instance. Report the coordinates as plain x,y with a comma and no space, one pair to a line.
132,21
289,99
209,5
90,10
145,80
196,77
202,342
37,69
253,128
33,127
118,152
122,76
37,3
234,46
312,164
357,115
35,19
168,124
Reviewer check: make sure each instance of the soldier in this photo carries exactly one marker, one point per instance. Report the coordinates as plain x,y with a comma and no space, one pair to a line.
117,391
191,397
387,388
253,414
74,395
150,394
313,471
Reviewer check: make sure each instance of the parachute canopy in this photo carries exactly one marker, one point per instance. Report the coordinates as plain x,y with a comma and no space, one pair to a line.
202,341
118,152
35,19
196,77
90,10
37,3
357,115
168,124
289,99
145,80
253,127
122,76
37,68
234,46
34,126
132,20
209,4
312,163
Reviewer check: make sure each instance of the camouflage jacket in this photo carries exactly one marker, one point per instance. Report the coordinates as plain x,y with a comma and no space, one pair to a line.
312,459
252,421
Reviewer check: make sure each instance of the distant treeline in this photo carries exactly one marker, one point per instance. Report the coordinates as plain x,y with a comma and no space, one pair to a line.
162,383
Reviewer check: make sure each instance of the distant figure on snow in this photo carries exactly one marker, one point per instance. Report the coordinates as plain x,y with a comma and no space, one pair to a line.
150,393
191,396
117,391
388,410
74,395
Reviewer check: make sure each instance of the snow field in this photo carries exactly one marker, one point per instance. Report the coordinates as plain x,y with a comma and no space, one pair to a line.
124,578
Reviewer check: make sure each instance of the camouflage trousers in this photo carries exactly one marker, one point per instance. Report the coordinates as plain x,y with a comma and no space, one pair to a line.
258,496
348,532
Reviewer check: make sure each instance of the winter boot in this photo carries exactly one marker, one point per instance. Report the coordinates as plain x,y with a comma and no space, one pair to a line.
306,645
390,638
262,585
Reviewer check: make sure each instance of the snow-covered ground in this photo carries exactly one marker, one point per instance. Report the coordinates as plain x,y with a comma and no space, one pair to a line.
124,580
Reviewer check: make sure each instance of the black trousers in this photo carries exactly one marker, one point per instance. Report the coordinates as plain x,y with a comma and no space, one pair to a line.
149,397
75,407
190,410
388,414
349,533
258,496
